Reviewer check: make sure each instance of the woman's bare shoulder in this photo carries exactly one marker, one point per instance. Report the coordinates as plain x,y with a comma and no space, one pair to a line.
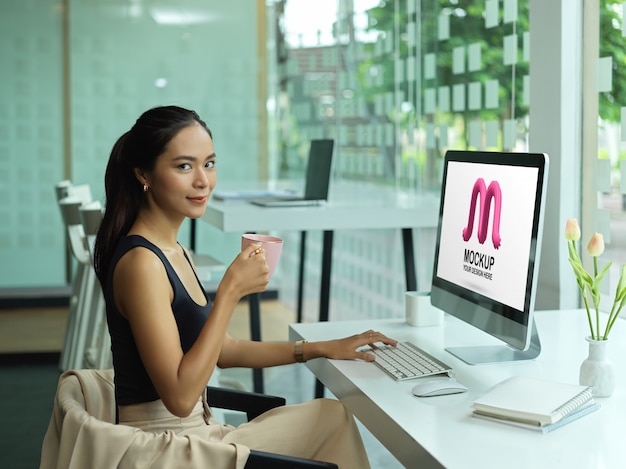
140,270
138,261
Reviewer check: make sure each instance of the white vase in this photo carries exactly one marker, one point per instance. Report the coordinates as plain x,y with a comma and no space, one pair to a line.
597,369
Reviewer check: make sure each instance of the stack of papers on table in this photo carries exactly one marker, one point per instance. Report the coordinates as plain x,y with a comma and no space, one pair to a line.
535,404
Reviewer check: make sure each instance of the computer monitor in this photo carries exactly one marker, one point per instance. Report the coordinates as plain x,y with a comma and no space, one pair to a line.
488,246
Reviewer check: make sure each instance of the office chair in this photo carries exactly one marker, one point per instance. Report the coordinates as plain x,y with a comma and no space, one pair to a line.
62,189
71,199
98,346
82,429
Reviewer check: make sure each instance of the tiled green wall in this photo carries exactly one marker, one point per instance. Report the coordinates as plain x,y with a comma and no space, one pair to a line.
31,143
120,55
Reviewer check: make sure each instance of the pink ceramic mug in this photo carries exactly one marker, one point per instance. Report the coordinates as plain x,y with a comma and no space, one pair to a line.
272,245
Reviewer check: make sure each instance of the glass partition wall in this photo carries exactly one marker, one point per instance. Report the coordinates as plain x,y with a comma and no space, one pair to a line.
604,179
396,83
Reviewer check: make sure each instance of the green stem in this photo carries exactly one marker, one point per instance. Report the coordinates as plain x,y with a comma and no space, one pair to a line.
611,321
596,303
574,252
608,322
593,336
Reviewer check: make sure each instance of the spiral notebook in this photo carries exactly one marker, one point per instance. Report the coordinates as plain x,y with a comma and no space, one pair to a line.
533,401
590,407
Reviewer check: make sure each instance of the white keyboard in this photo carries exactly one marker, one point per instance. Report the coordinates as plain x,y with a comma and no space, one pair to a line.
407,361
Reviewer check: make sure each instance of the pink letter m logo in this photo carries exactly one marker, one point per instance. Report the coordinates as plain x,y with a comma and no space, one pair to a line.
486,194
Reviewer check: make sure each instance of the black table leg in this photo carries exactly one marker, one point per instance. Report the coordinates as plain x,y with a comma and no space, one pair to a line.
254,302
409,259
192,235
301,275
327,253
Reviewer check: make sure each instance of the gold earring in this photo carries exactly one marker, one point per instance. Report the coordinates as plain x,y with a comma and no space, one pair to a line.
145,187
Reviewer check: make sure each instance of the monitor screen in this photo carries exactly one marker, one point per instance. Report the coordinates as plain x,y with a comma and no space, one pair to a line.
488,245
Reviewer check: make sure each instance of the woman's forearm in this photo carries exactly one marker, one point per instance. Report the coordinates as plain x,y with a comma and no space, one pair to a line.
250,354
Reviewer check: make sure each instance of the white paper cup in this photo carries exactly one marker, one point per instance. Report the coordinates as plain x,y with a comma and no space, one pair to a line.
419,311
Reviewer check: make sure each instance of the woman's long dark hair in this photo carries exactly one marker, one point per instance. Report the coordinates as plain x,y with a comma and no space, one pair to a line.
138,148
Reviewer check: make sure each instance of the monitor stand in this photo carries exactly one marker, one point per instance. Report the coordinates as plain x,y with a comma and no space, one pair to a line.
487,354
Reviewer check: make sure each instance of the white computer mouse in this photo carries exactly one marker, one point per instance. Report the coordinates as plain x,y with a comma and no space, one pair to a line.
437,387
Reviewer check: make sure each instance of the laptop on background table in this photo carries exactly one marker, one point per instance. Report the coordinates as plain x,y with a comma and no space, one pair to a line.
319,165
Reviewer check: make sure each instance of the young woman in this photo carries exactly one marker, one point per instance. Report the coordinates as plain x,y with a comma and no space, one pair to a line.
166,335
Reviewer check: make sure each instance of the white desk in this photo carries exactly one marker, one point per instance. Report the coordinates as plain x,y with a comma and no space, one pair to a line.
350,207
439,431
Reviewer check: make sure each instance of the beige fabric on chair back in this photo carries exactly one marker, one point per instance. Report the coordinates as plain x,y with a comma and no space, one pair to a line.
82,434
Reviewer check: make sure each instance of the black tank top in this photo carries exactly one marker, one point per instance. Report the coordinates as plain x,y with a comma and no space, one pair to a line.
132,383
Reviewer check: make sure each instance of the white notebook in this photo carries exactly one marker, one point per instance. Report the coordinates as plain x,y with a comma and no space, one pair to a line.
532,401
590,407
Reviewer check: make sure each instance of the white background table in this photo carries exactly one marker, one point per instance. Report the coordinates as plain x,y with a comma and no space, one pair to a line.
350,207
440,432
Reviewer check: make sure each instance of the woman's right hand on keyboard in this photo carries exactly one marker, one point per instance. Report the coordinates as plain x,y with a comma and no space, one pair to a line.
348,347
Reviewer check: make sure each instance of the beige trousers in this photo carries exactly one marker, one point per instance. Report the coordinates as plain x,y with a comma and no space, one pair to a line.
320,429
